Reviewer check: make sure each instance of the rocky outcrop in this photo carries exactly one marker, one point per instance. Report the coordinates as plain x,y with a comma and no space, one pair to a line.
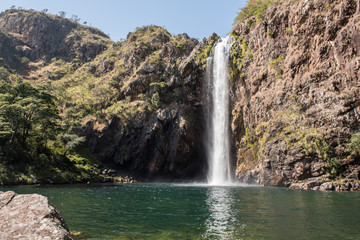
30,217
10,58
51,36
158,133
295,94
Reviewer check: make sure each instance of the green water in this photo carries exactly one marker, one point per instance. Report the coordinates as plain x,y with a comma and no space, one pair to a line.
170,211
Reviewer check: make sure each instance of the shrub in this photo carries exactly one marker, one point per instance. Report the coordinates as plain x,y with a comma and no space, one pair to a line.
155,101
250,23
275,64
353,146
24,61
270,33
4,73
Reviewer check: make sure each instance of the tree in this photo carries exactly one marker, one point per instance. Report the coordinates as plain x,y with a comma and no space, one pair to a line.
27,119
45,10
62,14
4,73
69,141
75,18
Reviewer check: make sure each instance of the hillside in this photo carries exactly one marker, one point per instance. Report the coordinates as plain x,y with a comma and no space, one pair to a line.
129,106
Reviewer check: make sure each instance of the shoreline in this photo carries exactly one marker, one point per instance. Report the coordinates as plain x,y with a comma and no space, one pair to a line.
345,185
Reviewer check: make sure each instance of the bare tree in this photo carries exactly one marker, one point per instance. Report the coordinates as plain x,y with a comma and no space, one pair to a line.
75,18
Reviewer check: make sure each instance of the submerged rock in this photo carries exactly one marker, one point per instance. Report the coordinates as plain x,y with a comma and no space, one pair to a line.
30,216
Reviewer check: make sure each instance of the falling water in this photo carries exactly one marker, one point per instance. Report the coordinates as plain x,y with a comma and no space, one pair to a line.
218,127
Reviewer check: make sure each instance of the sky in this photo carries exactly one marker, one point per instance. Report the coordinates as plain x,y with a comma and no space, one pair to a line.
197,18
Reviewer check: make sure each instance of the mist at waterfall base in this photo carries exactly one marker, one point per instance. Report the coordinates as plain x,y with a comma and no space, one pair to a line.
217,139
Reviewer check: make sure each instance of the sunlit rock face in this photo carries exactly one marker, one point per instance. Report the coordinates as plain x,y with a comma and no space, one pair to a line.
295,94
39,34
158,134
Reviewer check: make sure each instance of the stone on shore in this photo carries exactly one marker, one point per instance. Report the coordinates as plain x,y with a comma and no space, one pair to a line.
30,216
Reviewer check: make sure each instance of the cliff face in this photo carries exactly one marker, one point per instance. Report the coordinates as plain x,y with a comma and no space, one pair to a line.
153,121
296,94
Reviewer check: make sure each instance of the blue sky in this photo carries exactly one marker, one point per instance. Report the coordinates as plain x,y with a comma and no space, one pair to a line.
197,18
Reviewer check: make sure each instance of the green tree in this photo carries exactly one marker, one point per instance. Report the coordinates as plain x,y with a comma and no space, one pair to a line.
4,73
27,119
69,141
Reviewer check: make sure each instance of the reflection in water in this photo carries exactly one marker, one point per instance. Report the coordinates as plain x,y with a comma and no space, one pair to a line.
220,222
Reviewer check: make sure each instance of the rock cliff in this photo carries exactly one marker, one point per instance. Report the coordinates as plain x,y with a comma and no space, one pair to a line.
154,118
30,217
295,73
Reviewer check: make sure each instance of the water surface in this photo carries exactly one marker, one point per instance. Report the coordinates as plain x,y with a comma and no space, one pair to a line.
170,211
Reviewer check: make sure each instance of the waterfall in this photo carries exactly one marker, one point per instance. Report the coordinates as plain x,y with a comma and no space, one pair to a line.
218,135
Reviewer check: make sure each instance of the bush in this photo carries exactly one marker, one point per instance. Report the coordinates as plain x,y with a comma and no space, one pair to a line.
270,33
4,73
69,141
24,61
353,146
275,64
250,23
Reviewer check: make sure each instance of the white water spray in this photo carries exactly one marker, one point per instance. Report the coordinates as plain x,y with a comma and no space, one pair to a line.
219,137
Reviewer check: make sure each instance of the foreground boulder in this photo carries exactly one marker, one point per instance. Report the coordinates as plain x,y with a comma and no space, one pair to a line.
30,216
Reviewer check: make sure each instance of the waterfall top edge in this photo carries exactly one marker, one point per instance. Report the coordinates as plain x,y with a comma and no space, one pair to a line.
228,40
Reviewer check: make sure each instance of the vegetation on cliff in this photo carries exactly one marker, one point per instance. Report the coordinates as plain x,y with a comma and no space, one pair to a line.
254,9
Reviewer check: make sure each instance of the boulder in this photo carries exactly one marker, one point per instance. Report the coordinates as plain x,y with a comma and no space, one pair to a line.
327,186
30,216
